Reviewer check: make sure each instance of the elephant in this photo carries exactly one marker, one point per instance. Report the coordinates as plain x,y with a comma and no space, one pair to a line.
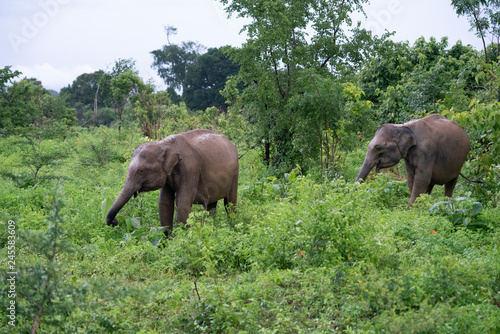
433,148
194,167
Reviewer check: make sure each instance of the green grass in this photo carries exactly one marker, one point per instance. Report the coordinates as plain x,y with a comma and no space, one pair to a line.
300,256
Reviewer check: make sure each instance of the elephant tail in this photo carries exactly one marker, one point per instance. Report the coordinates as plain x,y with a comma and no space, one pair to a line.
474,181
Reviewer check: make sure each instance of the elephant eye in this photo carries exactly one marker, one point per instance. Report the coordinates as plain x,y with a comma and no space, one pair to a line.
378,148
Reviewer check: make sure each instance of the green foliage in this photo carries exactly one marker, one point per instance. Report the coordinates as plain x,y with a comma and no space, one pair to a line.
205,78
199,75
389,193
42,296
6,76
321,110
468,217
171,62
298,255
482,123
405,82
483,18
151,109
285,70
307,250
38,150
179,120
26,103
96,149
88,91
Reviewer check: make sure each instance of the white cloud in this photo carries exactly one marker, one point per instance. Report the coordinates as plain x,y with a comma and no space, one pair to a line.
51,77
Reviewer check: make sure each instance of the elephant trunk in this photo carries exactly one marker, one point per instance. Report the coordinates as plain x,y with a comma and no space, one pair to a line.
365,170
122,199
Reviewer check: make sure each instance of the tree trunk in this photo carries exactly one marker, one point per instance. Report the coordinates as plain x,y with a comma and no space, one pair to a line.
120,111
95,105
321,150
267,154
327,144
480,29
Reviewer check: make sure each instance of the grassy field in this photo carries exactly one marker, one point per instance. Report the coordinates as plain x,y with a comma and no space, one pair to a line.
303,254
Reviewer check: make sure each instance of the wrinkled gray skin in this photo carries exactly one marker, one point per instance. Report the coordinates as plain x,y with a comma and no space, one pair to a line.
194,167
433,148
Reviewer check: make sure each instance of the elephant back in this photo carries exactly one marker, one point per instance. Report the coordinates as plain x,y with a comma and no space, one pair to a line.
448,140
216,151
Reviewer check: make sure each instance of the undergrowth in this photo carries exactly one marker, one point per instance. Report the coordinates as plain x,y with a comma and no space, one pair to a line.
302,254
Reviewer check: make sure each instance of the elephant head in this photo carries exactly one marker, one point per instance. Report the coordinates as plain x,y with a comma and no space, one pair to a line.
151,166
390,144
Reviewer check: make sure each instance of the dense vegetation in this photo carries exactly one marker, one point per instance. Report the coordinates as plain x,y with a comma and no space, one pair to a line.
308,250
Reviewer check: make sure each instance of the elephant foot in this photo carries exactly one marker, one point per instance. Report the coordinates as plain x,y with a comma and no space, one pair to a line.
113,223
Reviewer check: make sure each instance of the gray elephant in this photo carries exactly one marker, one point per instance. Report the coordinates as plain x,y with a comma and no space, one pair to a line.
194,167
433,148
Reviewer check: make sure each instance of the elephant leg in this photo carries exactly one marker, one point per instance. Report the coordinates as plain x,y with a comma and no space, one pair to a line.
212,208
410,176
166,208
449,187
231,199
420,184
184,200
429,188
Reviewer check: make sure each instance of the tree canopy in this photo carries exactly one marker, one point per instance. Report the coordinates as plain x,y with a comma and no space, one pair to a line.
311,44
198,75
26,102
172,61
406,81
308,83
484,18
206,77
86,91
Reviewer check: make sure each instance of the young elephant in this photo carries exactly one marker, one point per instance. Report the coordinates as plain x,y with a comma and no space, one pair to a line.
434,149
194,167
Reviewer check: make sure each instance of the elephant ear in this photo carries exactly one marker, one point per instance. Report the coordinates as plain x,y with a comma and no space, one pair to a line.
170,159
406,140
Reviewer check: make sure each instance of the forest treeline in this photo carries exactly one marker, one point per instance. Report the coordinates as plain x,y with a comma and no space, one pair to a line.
301,96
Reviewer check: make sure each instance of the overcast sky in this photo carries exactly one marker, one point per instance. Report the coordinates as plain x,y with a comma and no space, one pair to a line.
57,40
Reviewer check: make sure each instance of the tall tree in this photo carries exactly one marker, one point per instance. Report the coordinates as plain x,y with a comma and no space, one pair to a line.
8,119
6,76
484,18
26,103
86,90
125,81
206,77
285,37
171,62
151,109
